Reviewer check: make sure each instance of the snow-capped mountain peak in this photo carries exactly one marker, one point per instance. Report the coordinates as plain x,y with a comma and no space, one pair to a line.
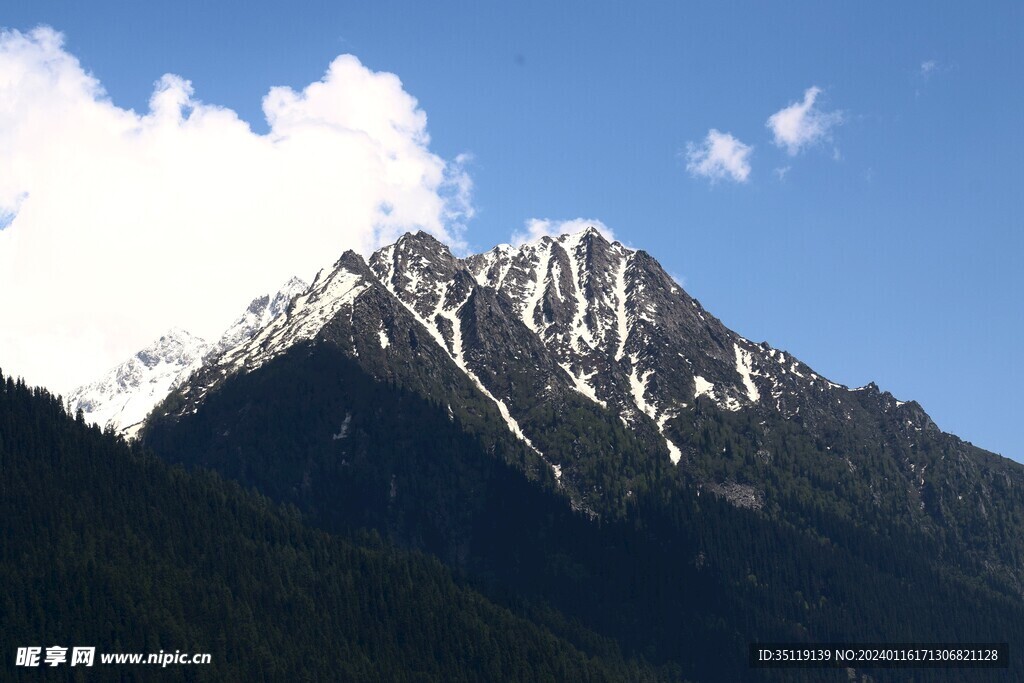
123,397
258,315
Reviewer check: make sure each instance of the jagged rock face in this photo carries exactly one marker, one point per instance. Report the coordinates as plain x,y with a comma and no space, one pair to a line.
608,314
479,328
417,268
631,339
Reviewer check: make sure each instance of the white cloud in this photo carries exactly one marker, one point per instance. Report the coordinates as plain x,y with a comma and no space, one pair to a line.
535,228
928,67
120,225
801,124
720,156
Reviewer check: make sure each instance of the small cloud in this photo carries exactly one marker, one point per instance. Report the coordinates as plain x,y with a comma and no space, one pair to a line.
781,171
801,124
720,156
536,228
927,71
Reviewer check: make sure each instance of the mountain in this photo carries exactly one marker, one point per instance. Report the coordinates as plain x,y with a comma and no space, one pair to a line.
586,365
577,334
122,398
409,396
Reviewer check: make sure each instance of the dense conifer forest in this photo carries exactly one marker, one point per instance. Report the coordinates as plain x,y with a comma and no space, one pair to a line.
108,546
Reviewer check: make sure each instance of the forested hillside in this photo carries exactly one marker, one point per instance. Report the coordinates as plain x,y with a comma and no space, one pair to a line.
680,578
104,546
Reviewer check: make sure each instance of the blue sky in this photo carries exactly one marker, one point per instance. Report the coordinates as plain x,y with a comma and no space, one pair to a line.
888,250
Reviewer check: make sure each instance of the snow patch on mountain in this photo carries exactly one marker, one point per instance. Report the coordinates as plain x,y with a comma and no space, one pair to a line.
638,386
621,316
702,387
745,368
674,453
582,384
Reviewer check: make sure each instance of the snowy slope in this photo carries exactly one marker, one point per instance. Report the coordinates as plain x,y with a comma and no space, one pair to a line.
258,315
123,397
